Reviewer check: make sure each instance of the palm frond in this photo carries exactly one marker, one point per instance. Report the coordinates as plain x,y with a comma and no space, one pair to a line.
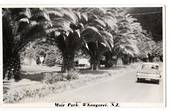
97,11
91,33
111,22
108,37
99,22
55,14
70,16
39,14
84,17
133,48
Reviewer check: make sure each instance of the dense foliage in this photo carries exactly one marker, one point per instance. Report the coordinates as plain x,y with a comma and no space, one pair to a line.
111,33
20,26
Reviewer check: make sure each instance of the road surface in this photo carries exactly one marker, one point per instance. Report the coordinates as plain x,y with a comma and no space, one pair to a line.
121,88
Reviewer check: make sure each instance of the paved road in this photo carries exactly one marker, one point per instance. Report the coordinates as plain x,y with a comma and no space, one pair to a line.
122,88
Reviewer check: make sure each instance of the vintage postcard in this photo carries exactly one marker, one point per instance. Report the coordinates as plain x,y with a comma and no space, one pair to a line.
103,56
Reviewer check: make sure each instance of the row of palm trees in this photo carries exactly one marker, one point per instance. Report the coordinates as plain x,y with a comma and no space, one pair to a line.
97,31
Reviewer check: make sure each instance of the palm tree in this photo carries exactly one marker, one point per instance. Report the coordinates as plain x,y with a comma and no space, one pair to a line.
88,27
158,50
20,26
127,38
125,47
66,34
97,33
147,49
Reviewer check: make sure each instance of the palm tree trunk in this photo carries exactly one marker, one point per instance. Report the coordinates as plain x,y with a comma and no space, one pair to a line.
12,67
95,63
68,62
125,59
109,61
96,60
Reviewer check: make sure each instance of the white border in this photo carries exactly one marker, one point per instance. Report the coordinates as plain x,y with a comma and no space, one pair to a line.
80,2
84,5
81,5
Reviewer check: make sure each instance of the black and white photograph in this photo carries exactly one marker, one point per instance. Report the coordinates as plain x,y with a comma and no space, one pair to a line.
83,54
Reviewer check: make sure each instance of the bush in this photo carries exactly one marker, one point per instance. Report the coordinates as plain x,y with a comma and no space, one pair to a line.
50,62
74,74
20,93
53,77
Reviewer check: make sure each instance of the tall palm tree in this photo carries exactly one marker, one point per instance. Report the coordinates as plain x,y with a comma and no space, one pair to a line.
126,39
90,27
66,34
97,33
126,48
20,26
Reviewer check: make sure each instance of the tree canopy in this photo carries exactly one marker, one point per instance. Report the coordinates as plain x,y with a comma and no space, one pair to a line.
95,30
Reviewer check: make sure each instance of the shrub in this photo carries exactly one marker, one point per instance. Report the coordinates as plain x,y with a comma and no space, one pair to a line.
19,93
73,74
50,61
53,77
53,57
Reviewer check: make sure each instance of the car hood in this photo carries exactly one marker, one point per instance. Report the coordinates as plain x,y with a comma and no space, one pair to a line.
149,71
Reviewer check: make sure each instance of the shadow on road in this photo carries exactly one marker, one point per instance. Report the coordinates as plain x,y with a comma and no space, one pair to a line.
102,70
88,71
147,82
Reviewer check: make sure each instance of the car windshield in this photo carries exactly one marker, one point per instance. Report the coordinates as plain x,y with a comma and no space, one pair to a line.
148,67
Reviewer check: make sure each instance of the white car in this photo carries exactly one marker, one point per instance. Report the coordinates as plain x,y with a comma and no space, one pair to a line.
149,72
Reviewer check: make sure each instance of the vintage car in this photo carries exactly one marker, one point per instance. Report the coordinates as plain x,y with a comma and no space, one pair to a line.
149,72
83,62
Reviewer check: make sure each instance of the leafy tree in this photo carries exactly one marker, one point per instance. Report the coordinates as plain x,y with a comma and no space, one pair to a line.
158,50
146,47
42,47
20,26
